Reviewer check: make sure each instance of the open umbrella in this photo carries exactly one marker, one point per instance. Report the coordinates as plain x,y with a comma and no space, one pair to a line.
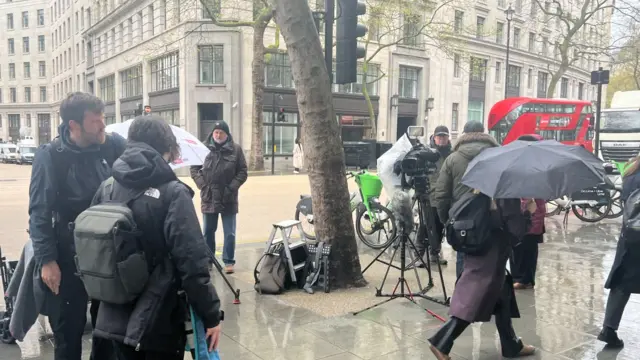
192,151
540,169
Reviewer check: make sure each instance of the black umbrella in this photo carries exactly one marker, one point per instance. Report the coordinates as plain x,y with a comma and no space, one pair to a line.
534,169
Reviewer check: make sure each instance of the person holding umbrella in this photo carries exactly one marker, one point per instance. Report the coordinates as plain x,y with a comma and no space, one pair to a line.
624,278
524,261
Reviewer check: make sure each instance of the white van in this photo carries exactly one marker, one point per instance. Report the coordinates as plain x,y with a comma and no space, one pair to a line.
8,153
26,150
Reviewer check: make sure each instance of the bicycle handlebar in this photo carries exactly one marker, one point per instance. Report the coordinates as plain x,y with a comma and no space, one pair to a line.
355,173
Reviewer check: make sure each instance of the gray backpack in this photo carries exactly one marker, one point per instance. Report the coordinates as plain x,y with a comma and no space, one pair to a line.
270,273
109,257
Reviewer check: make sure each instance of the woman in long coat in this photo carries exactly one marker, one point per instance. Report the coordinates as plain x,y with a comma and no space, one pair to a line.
484,288
624,278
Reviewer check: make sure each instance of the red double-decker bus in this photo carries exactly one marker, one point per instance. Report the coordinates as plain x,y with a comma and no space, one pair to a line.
566,121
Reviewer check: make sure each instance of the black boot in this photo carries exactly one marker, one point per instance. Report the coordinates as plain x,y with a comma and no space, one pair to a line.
447,334
610,336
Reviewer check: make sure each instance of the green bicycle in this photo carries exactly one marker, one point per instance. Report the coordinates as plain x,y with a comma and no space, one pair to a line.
375,224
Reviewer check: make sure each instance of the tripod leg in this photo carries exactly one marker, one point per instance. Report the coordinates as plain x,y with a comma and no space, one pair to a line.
236,293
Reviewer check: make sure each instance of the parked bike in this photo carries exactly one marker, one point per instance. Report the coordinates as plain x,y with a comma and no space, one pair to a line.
596,201
366,204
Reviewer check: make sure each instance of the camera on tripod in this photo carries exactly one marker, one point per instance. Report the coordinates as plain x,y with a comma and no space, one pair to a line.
418,163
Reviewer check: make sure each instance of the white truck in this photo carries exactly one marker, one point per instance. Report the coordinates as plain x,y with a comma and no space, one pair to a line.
26,150
619,131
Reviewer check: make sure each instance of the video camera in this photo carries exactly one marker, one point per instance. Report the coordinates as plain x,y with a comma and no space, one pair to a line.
421,160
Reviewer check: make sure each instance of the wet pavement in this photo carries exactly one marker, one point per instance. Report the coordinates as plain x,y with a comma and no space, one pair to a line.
561,316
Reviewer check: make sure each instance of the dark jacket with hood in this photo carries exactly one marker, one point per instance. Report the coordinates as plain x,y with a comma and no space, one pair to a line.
165,215
220,177
64,179
449,189
444,152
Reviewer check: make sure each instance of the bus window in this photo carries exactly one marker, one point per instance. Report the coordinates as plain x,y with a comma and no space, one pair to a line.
586,109
568,109
566,135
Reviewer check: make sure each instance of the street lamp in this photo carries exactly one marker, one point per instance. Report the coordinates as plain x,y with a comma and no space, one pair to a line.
429,105
394,101
509,14
274,108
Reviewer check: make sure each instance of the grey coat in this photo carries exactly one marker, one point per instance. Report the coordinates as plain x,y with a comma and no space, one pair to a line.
484,283
31,297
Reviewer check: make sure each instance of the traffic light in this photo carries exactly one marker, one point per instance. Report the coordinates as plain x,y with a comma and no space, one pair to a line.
348,31
281,115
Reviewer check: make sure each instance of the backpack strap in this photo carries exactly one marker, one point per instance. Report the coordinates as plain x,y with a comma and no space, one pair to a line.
107,192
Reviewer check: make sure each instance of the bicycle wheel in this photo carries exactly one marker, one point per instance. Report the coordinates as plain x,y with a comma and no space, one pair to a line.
383,224
311,233
617,206
552,208
600,212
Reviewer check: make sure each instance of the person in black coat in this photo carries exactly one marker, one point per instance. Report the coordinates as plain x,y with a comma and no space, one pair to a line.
153,327
624,278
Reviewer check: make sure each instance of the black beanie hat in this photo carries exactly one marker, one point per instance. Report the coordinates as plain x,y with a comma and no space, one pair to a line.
221,125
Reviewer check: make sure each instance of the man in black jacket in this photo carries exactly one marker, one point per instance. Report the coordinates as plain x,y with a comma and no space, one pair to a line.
153,327
65,176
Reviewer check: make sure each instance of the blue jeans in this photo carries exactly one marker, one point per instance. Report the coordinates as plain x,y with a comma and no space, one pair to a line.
229,229
459,263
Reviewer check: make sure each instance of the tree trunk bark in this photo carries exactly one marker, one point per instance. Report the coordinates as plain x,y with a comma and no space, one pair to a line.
555,78
323,149
256,156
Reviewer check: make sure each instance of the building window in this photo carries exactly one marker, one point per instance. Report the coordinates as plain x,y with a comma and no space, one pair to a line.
411,30
14,121
532,42
457,67
475,111
43,94
499,33
211,64
27,70
164,72
25,45
41,45
170,116
12,46
110,119
9,21
27,94
516,38
107,88
530,78
25,19
210,7
545,46
373,72
28,120
40,17
580,91
478,69
543,83
564,88
278,71
13,95
12,71
498,72
455,114
513,76
479,27
458,22
131,82
285,133
408,82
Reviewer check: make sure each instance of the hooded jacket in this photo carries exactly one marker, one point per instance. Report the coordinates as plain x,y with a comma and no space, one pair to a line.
64,178
449,189
165,215
444,152
220,177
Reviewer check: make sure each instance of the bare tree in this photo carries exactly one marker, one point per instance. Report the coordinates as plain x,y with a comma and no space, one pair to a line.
321,136
582,31
418,24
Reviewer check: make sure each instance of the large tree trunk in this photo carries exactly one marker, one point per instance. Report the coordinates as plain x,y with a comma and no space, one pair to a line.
323,148
256,158
555,78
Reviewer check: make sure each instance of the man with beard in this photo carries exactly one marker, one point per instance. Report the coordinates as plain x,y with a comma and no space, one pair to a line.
65,176
441,143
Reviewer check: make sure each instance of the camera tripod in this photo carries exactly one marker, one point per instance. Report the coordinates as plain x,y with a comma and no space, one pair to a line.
403,240
217,265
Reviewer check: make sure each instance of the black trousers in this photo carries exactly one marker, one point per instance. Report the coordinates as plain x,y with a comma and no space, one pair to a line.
126,352
69,322
524,261
616,303
423,239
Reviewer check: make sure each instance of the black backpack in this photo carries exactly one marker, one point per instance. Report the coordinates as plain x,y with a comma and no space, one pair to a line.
631,218
469,228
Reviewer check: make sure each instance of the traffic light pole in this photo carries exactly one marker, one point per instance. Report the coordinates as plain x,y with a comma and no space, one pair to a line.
598,112
329,11
273,135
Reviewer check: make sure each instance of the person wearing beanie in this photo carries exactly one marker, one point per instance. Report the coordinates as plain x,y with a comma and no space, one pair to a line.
219,180
441,143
